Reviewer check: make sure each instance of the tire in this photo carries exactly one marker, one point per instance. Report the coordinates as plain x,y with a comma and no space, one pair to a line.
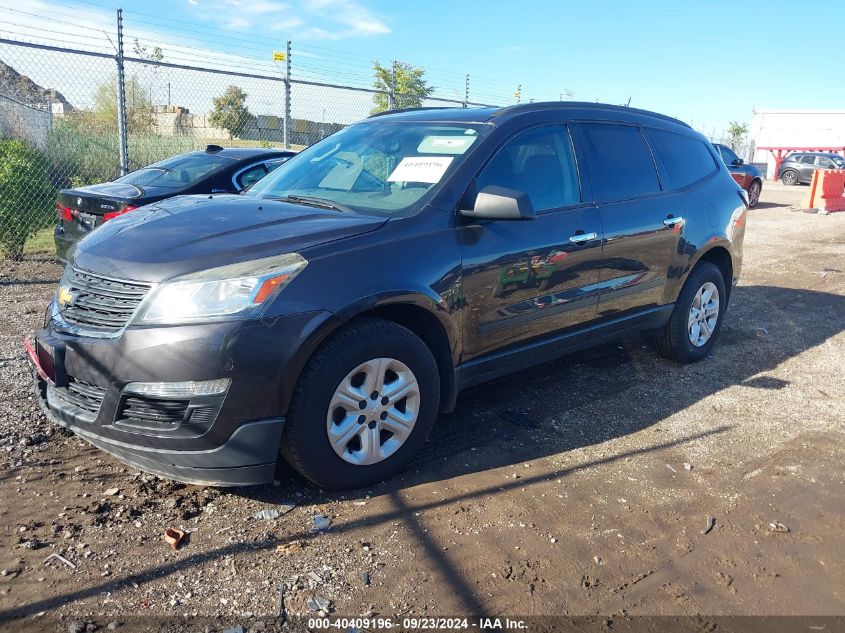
754,190
789,177
674,340
376,347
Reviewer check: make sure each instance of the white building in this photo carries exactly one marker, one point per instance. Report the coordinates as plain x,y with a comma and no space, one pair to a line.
804,129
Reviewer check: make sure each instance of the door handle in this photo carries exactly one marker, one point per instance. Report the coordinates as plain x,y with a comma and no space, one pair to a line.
671,221
580,238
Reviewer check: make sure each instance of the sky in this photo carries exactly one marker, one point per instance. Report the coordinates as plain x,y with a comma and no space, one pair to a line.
707,63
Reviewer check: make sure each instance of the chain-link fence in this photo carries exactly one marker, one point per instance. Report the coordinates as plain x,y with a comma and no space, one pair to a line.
71,117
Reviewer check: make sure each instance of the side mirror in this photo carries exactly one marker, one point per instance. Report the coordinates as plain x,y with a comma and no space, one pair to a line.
501,203
737,162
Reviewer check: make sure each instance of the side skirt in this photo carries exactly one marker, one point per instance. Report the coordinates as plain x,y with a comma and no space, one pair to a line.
498,364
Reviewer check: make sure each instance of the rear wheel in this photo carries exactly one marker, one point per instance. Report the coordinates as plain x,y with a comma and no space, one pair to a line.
754,193
364,405
697,317
789,177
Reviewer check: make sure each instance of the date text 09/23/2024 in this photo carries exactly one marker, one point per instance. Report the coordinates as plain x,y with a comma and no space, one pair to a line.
417,623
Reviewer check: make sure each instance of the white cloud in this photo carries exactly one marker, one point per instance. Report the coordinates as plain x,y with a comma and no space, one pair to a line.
312,19
357,19
237,23
285,24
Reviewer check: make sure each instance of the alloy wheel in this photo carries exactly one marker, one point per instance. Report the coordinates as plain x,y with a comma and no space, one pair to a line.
373,411
703,314
754,194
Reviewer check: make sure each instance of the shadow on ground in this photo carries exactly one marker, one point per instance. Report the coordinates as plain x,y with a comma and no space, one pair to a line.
524,417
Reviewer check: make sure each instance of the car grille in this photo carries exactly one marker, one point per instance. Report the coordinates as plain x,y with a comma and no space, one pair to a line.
82,395
153,413
101,303
164,415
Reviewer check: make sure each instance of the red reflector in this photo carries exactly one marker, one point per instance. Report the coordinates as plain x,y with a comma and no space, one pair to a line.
114,214
64,213
268,287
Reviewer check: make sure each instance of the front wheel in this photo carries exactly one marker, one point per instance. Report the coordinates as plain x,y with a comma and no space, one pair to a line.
363,406
697,317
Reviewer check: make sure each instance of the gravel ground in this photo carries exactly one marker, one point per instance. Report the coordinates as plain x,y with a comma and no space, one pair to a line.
581,487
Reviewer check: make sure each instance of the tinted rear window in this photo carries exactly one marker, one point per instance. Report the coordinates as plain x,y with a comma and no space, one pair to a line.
620,162
177,171
687,160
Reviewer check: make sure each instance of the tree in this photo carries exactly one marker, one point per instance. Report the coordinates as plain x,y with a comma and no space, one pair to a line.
28,201
736,132
230,112
141,51
139,106
406,82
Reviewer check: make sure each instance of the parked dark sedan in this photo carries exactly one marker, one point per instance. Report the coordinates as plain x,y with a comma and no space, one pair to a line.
215,170
346,299
799,168
747,176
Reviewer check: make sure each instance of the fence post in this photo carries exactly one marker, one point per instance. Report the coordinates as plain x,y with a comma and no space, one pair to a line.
121,98
391,92
286,132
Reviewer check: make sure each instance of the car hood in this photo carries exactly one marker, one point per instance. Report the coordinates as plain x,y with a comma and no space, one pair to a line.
192,233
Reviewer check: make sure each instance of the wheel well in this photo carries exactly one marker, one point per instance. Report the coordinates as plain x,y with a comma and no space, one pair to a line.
426,326
722,260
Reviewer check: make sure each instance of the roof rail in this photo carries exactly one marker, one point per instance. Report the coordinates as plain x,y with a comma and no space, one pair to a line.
398,110
560,105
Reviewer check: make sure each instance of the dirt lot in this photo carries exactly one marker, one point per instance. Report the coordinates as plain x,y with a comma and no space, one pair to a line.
580,487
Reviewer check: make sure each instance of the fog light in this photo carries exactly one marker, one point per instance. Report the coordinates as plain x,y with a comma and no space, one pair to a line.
187,389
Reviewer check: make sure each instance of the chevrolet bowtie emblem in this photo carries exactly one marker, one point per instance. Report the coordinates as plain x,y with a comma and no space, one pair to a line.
64,296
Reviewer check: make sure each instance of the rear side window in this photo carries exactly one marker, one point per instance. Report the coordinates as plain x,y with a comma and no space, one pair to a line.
687,160
808,159
538,162
621,165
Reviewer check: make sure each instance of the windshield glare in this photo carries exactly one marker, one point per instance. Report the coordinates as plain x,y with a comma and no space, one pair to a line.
375,167
176,171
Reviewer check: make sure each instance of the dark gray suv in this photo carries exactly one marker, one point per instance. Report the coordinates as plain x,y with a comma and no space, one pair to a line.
348,298
798,168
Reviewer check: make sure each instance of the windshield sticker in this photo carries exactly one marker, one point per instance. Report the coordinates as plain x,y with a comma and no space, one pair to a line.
428,169
445,144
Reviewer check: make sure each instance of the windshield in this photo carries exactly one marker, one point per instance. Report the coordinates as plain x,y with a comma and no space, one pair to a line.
383,168
177,171
838,161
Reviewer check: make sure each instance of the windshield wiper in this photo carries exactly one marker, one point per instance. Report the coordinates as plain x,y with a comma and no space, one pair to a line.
322,203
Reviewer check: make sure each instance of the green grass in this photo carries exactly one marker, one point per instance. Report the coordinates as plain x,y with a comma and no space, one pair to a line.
41,243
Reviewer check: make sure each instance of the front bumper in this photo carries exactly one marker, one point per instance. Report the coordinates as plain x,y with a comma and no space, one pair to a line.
226,439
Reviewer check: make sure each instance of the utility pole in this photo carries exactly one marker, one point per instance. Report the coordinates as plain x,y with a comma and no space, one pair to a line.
518,93
286,131
391,93
121,98
466,91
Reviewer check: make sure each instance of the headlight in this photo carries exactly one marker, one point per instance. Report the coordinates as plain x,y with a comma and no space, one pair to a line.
238,289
